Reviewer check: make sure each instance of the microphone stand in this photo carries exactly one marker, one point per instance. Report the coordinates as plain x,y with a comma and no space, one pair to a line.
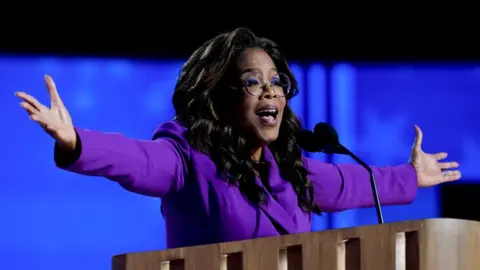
343,150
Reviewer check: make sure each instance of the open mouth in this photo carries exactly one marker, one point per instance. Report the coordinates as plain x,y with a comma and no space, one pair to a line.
268,115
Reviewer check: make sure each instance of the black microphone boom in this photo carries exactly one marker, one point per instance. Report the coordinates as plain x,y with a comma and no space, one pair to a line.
325,139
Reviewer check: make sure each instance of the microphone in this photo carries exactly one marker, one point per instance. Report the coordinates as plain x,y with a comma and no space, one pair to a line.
325,139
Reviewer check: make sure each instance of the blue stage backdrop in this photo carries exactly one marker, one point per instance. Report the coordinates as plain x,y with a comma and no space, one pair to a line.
52,219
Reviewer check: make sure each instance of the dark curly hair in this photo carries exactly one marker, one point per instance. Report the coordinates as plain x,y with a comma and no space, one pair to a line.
203,103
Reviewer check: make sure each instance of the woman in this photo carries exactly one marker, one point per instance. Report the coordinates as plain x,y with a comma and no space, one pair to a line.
228,166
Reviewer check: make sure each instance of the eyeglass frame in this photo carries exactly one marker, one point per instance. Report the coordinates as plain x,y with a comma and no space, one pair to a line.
264,84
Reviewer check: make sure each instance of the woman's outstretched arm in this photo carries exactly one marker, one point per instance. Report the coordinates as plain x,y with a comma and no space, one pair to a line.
347,186
152,168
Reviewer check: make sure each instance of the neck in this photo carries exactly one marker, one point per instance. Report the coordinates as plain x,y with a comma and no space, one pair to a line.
257,154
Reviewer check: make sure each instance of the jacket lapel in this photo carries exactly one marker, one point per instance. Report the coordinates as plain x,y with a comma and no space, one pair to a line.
282,216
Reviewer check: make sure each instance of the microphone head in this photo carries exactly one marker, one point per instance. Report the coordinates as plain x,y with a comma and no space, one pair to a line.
307,141
326,133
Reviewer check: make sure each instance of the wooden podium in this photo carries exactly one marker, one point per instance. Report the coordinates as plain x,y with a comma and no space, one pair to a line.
431,244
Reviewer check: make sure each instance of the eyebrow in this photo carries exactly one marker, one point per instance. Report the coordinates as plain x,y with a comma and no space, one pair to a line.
255,70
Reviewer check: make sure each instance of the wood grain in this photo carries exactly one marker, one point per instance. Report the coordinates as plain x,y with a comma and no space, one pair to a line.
431,244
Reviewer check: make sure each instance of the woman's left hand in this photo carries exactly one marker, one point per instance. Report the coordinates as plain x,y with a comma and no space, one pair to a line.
430,171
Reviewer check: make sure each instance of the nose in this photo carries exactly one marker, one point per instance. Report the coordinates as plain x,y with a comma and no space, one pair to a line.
268,92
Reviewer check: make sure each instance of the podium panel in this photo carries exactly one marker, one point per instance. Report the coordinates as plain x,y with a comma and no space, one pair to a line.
431,244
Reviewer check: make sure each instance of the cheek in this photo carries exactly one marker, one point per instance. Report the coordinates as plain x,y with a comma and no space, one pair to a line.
244,112
283,104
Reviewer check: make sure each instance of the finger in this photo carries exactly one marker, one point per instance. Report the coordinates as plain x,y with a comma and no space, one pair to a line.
440,156
39,119
418,139
32,101
29,108
448,165
52,90
451,175
33,114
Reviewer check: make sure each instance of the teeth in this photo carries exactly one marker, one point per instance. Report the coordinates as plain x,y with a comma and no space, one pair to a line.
269,111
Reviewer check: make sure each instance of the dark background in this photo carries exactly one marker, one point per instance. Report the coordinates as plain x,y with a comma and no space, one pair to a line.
175,33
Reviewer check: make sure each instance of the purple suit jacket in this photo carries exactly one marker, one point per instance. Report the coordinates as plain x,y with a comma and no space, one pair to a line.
201,208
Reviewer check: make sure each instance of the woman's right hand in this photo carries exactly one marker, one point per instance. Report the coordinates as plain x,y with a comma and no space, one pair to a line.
56,120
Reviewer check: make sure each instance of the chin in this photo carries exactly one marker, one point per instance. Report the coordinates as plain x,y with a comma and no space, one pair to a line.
267,136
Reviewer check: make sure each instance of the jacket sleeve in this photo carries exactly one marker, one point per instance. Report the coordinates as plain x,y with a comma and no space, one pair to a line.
347,186
152,168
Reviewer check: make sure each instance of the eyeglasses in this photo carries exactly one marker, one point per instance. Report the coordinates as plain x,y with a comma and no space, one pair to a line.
255,86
